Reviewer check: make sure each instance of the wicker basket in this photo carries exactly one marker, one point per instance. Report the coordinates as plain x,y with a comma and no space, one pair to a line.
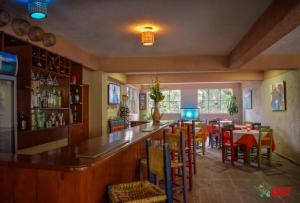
136,192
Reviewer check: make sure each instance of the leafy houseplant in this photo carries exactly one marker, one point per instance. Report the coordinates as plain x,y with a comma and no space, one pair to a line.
157,96
232,106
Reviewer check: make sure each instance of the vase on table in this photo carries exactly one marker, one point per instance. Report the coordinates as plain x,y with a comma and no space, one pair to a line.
155,114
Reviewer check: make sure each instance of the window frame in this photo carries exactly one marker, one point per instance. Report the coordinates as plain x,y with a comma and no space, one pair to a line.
209,100
168,102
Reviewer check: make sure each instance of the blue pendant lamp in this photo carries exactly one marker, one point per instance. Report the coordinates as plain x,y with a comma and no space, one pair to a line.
37,9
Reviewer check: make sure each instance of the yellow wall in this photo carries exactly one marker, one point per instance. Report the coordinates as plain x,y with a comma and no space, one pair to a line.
99,110
286,124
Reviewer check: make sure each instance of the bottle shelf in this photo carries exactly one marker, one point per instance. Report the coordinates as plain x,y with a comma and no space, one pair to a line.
41,129
78,103
50,108
76,85
52,73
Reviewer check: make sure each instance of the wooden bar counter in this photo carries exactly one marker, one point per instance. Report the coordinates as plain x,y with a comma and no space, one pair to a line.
76,173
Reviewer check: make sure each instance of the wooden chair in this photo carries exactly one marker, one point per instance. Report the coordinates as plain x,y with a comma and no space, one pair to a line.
230,149
247,123
215,137
256,126
199,137
186,130
159,164
265,143
176,144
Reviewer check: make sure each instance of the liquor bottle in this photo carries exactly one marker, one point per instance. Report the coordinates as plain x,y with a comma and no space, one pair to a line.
33,120
50,103
54,98
76,96
59,99
32,98
38,98
75,114
74,78
23,122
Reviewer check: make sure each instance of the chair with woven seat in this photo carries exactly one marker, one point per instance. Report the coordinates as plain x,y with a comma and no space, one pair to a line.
214,137
185,129
176,144
229,148
199,137
159,165
256,126
143,161
265,143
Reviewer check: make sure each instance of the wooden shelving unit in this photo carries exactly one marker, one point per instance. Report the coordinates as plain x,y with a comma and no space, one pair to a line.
34,61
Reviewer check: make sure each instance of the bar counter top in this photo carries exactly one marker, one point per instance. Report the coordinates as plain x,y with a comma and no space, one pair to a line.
86,153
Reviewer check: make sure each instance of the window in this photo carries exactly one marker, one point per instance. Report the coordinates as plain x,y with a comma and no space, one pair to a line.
213,100
132,99
171,103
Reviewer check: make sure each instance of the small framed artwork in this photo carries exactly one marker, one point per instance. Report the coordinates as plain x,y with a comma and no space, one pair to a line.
248,99
278,96
143,101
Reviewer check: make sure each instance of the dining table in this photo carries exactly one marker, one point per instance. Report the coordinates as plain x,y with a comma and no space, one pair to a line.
249,138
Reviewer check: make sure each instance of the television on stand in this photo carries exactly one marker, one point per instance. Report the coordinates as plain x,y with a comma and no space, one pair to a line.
188,114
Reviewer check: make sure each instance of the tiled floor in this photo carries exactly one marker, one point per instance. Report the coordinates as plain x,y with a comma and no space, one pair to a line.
218,182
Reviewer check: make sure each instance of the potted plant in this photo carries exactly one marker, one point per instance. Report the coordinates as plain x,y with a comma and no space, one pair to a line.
157,96
232,107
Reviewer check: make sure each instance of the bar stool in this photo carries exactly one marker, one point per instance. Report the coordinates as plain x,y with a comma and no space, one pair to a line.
143,162
176,143
159,165
185,129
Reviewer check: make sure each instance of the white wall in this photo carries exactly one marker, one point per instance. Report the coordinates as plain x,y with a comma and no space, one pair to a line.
191,102
286,124
189,99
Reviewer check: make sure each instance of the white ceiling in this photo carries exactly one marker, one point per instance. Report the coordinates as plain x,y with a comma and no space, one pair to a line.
189,27
289,44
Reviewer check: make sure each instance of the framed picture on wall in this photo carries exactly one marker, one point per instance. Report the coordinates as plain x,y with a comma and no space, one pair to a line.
278,97
143,101
248,99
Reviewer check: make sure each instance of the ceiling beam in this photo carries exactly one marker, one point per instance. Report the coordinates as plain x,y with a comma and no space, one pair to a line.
273,62
163,64
145,79
281,17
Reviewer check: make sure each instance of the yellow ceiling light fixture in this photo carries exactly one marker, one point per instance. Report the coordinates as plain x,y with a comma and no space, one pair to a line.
147,36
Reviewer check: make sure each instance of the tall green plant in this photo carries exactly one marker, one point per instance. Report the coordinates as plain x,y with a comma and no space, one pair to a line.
155,92
232,106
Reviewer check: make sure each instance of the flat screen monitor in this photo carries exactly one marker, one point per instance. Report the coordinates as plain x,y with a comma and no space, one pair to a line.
114,93
190,114
8,63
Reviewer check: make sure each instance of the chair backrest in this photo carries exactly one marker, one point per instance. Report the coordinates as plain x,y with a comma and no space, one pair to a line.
248,123
265,126
256,126
265,138
227,136
175,141
186,130
202,127
159,164
228,125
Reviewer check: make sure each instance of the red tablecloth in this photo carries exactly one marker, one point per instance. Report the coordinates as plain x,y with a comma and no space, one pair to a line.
250,141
